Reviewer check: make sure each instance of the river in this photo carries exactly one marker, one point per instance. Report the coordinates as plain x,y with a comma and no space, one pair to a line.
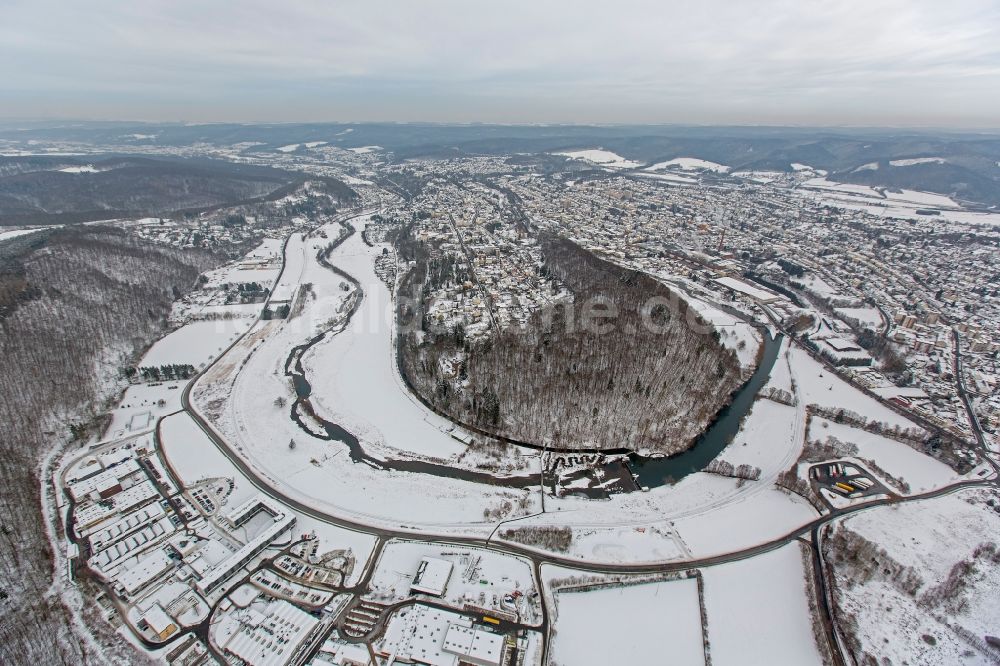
650,472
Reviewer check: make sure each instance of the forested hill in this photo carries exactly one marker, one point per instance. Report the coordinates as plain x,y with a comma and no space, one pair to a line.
66,190
639,386
76,305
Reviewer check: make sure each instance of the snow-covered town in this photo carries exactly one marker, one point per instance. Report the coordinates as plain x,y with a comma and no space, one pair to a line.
276,486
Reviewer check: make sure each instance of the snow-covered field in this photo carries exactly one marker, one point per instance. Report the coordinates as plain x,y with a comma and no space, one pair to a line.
761,176
929,612
745,288
79,169
7,235
689,164
756,519
670,178
917,160
649,623
195,343
798,166
818,286
900,205
701,516
781,372
140,407
921,472
602,157
824,184
921,198
366,387
761,441
819,386
758,611
867,316
193,457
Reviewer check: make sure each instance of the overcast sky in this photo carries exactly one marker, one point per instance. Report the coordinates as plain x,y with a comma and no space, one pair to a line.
870,62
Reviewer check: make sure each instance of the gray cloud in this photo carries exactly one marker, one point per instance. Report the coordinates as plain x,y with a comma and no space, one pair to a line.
835,62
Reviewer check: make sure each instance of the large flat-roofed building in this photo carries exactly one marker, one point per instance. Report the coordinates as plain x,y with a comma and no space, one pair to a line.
103,482
473,645
432,576
159,622
756,293
145,571
282,521
88,518
436,637
109,558
126,525
273,635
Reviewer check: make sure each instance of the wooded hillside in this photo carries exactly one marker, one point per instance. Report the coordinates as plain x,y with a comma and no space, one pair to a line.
76,306
556,381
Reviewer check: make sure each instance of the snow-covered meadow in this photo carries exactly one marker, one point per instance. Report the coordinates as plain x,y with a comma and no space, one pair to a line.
645,623
604,158
758,611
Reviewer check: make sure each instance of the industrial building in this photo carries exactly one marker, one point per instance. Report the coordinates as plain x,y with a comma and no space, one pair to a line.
432,576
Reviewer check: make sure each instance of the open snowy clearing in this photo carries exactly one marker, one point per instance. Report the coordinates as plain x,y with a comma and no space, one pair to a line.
917,160
921,198
701,516
7,235
602,157
824,184
819,386
366,388
735,334
765,436
797,166
867,316
689,164
758,611
196,343
781,373
763,177
193,457
761,518
669,177
648,623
